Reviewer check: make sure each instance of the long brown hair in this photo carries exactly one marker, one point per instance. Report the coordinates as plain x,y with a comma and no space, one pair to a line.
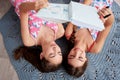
32,54
78,71
74,71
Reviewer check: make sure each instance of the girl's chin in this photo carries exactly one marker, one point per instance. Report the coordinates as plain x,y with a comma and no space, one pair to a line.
78,49
53,44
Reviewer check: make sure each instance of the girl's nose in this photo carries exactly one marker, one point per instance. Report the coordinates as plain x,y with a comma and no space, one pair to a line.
54,48
78,53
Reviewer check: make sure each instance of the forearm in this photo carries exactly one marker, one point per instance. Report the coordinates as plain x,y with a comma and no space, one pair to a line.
69,30
108,24
25,34
98,45
103,34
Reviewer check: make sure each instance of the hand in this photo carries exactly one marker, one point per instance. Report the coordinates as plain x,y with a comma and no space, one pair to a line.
40,4
104,14
68,37
69,31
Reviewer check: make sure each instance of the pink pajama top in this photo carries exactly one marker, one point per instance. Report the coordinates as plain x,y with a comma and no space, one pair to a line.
34,23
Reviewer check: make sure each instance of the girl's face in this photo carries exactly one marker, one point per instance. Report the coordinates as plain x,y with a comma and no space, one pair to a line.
76,57
52,54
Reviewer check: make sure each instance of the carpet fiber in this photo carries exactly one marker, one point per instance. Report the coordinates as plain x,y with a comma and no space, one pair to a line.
102,66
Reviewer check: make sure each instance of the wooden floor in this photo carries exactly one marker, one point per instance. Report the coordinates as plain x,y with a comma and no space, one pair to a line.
7,71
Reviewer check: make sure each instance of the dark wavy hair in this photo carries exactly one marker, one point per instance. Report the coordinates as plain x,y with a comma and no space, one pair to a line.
74,71
78,71
32,55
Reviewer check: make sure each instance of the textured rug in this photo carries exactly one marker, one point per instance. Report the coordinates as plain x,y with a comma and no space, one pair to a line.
102,66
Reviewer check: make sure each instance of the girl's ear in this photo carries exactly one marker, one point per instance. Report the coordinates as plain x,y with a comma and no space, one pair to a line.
41,55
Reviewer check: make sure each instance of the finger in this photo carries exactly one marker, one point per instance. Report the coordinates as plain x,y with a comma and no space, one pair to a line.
100,13
109,13
40,2
104,12
46,4
103,18
46,1
68,37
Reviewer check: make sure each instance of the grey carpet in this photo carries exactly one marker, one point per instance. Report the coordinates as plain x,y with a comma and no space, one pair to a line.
102,66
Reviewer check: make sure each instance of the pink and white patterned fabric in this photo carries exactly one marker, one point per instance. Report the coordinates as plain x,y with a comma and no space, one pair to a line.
93,32
33,21
99,4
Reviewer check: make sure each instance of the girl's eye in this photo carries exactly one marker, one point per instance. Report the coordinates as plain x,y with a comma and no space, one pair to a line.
80,58
72,56
60,53
51,55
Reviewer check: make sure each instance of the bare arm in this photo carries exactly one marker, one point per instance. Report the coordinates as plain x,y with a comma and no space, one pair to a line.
27,39
69,31
24,8
103,34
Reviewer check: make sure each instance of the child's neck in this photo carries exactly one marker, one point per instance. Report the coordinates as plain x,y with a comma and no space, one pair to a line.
81,44
47,36
46,45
